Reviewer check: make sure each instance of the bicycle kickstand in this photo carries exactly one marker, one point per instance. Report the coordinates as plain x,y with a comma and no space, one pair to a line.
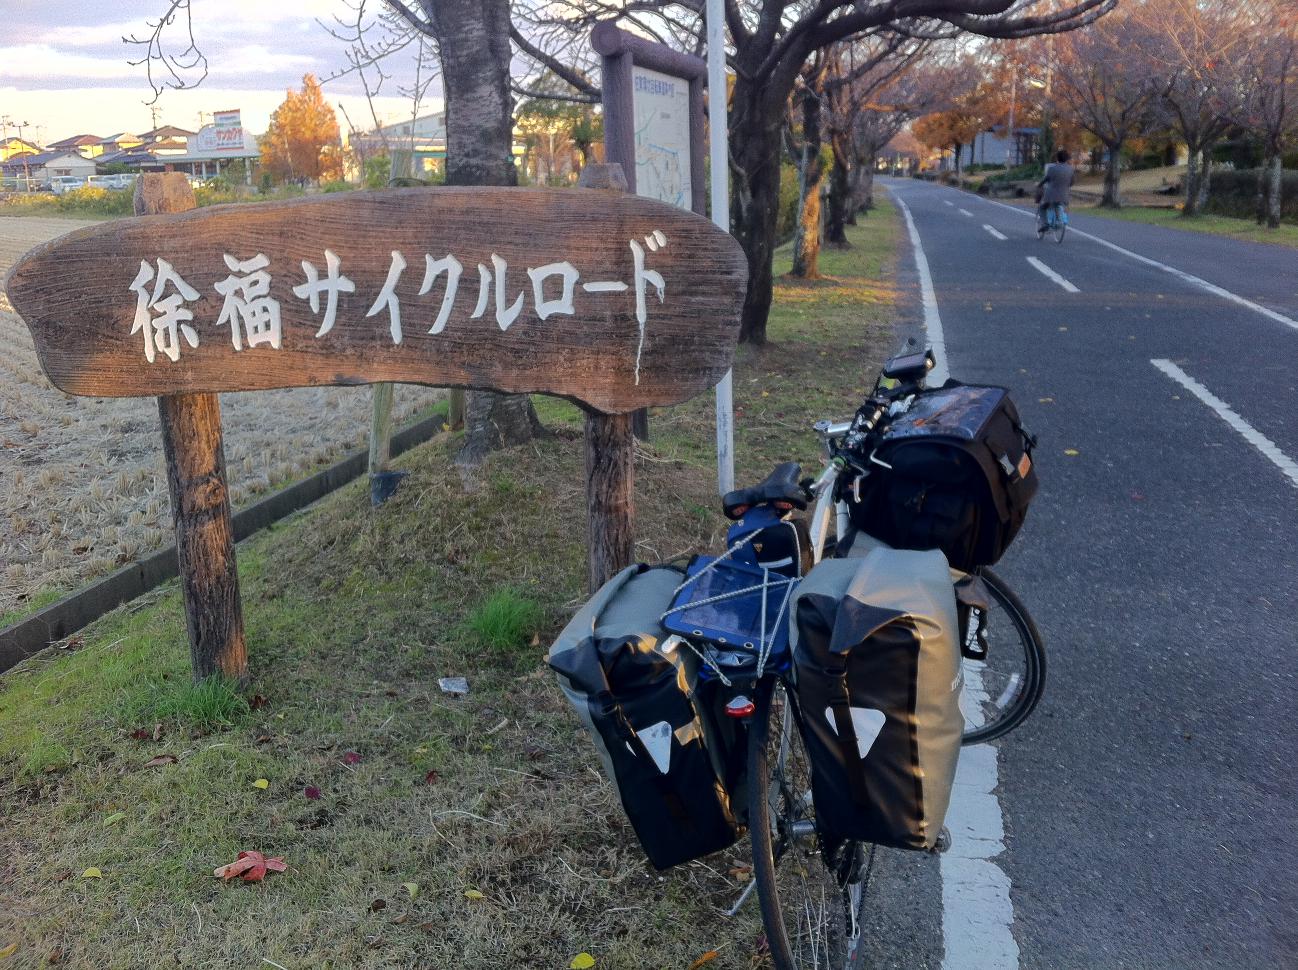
743,897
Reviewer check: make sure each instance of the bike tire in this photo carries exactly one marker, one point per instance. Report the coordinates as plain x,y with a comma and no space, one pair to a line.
808,909
1061,227
1000,692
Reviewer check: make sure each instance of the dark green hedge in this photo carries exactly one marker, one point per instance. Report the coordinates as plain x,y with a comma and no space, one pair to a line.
1235,193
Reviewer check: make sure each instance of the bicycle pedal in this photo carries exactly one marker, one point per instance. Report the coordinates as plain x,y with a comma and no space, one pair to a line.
943,842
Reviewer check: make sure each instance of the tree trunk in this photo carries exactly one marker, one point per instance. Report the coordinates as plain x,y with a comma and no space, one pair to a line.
839,215
1276,185
755,201
806,244
1193,176
958,180
1111,198
474,46
1260,199
1205,178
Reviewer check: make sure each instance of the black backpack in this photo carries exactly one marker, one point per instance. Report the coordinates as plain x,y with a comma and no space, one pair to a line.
960,479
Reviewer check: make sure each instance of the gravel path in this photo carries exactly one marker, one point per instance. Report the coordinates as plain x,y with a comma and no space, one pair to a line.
83,486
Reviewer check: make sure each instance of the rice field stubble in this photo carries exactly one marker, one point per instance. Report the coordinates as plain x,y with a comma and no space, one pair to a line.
83,485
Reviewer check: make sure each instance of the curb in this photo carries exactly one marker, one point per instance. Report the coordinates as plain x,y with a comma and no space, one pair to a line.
65,617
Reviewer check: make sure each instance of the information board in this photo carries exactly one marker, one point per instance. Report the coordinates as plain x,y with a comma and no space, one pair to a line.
661,121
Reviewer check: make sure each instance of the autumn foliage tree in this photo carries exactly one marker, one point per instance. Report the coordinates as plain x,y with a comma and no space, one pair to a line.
303,141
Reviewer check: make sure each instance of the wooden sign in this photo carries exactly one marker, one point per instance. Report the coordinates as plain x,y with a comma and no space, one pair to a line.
612,301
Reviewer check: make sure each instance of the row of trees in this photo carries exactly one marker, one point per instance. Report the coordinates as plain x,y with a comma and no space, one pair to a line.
1179,71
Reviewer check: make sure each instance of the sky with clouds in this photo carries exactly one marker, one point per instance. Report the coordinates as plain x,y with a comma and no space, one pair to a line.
64,70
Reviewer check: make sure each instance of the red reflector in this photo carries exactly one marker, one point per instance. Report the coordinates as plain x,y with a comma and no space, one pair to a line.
740,706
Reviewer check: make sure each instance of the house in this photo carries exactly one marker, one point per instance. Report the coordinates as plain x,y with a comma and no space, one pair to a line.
38,169
117,143
11,147
166,133
87,145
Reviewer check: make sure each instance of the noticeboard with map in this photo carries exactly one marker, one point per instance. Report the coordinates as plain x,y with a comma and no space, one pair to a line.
661,110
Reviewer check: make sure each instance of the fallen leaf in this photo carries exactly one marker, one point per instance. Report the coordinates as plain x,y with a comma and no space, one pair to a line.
378,904
1138,496
54,956
400,919
157,732
261,783
705,958
428,927
8,951
1071,452
474,894
63,876
257,701
159,760
582,961
311,792
252,866
431,778
92,873
1045,400
412,888
141,734
114,818
445,426
351,758
263,739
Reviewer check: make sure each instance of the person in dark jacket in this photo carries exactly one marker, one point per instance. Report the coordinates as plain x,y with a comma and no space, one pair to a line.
1053,189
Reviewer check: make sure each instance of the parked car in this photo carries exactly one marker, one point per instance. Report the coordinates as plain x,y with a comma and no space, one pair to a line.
118,180
66,183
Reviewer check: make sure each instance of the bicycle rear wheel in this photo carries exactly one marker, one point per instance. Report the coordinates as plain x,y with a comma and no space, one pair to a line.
812,895
1060,226
1003,689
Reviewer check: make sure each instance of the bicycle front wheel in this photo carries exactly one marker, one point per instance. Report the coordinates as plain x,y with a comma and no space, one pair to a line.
812,895
1001,690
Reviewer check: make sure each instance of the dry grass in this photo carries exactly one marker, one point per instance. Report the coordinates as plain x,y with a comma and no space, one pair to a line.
492,804
86,487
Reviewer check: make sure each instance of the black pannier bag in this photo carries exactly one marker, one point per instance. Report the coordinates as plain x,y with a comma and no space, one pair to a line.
878,686
637,703
961,476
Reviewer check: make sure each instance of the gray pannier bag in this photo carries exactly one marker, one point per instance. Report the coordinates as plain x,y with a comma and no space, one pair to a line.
876,659
637,703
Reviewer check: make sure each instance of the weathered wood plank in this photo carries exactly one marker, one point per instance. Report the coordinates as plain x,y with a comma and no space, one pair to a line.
200,499
610,495
83,295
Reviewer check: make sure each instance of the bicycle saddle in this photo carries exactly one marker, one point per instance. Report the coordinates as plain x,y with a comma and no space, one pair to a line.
780,486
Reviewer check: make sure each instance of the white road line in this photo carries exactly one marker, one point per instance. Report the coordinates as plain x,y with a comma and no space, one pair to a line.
996,234
976,907
966,212
1249,433
932,320
947,202
1190,278
1050,274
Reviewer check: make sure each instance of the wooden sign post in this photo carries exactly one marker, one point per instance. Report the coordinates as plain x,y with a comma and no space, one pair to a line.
611,301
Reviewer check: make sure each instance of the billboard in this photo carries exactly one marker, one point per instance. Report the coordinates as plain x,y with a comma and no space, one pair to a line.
224,134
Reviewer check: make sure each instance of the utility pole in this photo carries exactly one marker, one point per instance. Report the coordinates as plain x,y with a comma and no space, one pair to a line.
27,172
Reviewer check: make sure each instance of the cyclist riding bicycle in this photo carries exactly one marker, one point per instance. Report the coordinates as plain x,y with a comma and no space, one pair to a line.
1053,189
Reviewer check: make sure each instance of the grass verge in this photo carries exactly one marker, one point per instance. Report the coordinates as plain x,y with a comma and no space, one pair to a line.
1246,229
419,828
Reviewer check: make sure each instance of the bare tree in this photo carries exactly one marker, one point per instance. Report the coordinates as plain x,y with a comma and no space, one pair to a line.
1270,108
1198,47
1105,89
771,41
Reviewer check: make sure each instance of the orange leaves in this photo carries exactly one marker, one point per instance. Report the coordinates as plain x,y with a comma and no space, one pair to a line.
251,866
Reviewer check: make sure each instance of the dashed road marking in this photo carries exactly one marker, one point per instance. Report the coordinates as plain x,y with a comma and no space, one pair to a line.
1050,274
1190,278
947,202
1249,433
996,234
966,212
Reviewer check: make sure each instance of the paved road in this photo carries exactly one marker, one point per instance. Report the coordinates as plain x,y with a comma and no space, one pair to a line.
1149,805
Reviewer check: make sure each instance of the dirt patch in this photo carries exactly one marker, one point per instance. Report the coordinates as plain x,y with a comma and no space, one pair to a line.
85,483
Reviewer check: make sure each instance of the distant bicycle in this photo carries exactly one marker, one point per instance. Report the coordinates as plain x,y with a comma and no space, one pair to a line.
1052,218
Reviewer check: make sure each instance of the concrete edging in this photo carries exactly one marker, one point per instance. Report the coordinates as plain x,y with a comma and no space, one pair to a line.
77,610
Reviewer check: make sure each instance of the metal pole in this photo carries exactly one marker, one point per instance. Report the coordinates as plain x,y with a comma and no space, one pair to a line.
720,157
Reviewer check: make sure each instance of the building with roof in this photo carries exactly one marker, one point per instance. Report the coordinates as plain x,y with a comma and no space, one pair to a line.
12,147
119,142
35,171
87,145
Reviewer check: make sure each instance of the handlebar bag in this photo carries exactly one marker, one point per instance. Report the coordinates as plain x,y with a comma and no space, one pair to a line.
637,703
961,476
878,687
